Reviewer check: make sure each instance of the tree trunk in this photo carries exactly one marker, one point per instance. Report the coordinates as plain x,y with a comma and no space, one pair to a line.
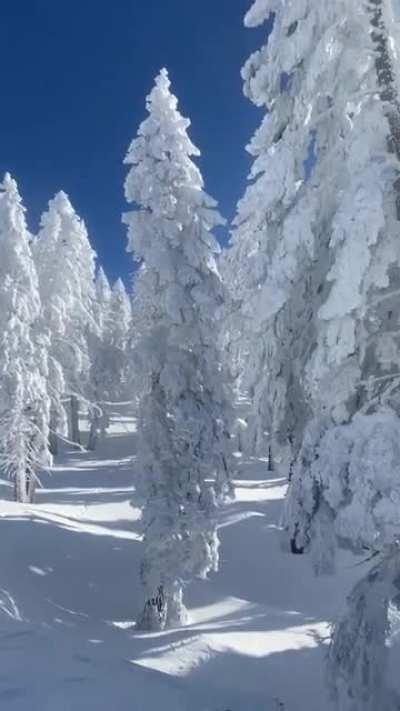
270,460
164,610
95,424
154,615
294,548
104,421
358,654
93,436
74,433
24,487
99,422
53,438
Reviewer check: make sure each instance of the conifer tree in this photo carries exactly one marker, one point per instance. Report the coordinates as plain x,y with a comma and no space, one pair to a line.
66,267
329,277
24,402
273,246
183,390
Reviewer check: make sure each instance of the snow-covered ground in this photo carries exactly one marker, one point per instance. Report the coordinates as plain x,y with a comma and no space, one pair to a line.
69,593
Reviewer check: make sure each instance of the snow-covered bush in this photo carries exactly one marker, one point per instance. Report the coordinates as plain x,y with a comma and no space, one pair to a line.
183,391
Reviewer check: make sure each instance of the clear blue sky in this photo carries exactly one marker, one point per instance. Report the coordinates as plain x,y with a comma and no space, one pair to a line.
74,79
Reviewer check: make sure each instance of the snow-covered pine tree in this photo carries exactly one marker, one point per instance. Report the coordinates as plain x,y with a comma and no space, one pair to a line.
43,252
24,402
354,364
66,266
317,157
331,82
318,257
273,245
184,394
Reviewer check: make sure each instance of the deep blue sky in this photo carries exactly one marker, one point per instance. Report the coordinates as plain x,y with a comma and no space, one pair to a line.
74,79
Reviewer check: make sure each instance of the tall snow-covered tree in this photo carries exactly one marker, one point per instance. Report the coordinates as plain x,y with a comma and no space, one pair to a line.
24,402
317,257
327,234
183,390
353,367
66,267
273,245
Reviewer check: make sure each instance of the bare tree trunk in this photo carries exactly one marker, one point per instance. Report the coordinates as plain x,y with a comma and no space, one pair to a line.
74,433
270,460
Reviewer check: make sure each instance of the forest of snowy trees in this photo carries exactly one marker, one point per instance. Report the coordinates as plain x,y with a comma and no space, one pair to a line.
284,346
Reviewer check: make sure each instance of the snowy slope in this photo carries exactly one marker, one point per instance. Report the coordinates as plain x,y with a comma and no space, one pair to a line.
69,593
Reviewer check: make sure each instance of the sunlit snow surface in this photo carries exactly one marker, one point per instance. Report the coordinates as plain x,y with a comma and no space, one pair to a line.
69,593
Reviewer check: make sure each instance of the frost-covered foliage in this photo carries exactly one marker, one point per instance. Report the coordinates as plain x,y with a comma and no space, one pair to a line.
359,649
353,365
272,243
66,264
317,255
316,241
184,397
24,402
346,491
350,476
316,281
